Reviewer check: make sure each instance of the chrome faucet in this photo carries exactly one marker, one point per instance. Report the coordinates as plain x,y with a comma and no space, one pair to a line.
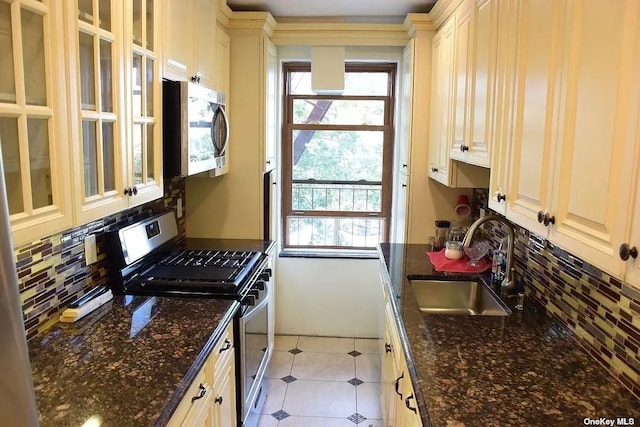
508,282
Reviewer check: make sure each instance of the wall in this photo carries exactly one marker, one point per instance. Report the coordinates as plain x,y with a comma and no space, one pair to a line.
328,297
602,311
52,271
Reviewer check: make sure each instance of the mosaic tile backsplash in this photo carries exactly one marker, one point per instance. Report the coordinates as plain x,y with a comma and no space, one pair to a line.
601,311
52,272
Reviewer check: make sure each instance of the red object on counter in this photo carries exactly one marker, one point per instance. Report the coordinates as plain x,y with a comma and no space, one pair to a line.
456,265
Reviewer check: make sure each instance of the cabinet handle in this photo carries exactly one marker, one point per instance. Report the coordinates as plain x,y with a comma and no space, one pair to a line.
548,219
434,170
501,197
126,191
404,165
195,79
227,346
406,403
464,148
626,251
218,400
398,385
387,348
200,395
404,185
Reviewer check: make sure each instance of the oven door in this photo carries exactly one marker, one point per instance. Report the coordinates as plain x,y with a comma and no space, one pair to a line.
254,352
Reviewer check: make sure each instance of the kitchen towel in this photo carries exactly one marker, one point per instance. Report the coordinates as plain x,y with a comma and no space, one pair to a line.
456,265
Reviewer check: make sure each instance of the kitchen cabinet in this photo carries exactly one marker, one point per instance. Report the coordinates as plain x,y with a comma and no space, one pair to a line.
270,104
189,41
574,145
115,105
441,167
474,81
211,398
223,59
33,119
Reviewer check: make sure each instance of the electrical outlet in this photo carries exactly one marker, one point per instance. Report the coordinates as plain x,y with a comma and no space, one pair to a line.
482,212
179,203
90,251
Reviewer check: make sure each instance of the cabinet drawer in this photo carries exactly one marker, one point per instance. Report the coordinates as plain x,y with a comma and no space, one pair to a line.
189,408
223,348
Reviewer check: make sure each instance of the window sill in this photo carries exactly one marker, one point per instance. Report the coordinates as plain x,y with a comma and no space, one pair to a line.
329,253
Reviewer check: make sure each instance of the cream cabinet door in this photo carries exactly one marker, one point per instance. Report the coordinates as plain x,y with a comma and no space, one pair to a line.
536,89
33,119
441,89
177,40
598,130
461,82
406,110
632,264
224,394
223,59
205,43
271,104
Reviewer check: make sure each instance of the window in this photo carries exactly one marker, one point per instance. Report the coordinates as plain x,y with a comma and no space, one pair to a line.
337,159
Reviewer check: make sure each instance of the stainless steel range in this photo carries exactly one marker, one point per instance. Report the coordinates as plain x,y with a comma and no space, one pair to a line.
146,259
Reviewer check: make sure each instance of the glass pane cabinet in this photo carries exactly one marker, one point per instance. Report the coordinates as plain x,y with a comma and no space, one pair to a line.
114,94
32,118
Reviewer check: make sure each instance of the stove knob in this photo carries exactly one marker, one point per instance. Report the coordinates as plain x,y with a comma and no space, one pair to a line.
250,300
265,275
260,285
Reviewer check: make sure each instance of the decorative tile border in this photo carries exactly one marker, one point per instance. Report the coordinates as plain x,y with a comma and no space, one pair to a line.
52,271
602,311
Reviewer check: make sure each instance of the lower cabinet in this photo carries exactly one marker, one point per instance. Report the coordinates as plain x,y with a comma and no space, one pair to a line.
397,396
211,399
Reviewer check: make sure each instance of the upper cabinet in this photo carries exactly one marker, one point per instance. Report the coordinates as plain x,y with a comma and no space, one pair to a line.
271,104
114,90
33,121
189,39
574,146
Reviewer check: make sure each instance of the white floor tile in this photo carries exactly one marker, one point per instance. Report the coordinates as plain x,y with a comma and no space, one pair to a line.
368,367
315,422
368,345
368,400
326,344
280,364
276,389
320,399
267,421
323,366
371,423
285,342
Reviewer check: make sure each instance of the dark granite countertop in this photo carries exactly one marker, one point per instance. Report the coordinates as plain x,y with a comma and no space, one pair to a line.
485,371
129,362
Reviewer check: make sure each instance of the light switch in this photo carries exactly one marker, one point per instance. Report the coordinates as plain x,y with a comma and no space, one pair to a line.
90,251
179,207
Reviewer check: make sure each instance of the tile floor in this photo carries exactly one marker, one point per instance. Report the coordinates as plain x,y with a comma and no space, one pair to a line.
323,382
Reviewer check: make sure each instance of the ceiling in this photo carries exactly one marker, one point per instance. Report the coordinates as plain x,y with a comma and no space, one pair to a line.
348,10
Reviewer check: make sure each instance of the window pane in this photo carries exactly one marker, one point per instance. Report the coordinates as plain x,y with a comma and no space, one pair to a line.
336,197
335,231
337,155
108,156
87,74
11,161
105,14
7,82
137,22
90,158
137,154
150,24
85,10
355,83
105,76
338,112
149,81
33,58
150,176
40,163
136,75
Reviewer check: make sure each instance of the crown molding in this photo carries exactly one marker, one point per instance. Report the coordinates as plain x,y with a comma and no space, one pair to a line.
340,34
418,22
442,10
253,21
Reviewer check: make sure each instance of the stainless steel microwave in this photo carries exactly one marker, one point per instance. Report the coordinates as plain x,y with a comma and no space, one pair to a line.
195,129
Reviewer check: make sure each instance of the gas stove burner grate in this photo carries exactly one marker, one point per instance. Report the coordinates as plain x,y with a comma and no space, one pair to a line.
206,258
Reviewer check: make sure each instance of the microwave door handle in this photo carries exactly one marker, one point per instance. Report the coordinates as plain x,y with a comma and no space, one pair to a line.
226,126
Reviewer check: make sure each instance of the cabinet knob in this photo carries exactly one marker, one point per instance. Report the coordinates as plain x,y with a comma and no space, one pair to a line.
501,197
404,185
218,400
128,191
434,170
404,165
464,148
200,394
548,219
540,216
134,190
626,251
195,79
387,348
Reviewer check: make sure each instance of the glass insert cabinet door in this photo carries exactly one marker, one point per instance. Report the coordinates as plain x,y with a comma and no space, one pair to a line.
32,116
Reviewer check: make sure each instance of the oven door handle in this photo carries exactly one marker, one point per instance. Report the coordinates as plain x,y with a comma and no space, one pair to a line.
260,305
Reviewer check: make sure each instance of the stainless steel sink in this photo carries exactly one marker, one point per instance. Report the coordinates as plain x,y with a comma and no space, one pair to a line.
457,297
